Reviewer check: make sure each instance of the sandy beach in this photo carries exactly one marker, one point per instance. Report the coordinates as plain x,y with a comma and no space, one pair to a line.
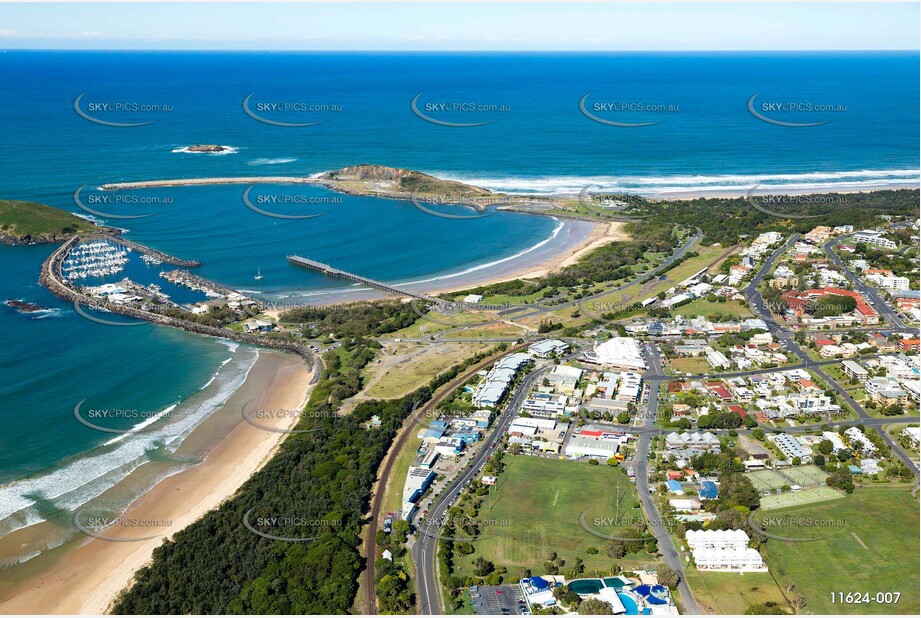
88,579
576,239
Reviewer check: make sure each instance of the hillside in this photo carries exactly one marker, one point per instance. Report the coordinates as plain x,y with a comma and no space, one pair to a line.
382,181
23,223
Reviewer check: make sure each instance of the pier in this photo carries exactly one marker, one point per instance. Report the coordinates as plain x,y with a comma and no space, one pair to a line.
329,271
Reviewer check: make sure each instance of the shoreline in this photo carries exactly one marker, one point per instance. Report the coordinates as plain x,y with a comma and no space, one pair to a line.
66,587
600,235
576,239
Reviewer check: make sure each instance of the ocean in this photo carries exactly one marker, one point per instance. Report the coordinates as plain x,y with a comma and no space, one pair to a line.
531,135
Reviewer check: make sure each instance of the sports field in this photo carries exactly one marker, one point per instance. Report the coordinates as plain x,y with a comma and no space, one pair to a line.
536,506
733,593
869,545
809,477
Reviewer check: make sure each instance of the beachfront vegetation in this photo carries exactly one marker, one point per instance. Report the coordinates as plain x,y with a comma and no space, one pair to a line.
611,262
29,222
352,320
320,481
725,221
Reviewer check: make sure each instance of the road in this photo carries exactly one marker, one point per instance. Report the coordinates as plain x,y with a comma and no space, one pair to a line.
780,332
526,311
377,499
641,468
426,547
872,294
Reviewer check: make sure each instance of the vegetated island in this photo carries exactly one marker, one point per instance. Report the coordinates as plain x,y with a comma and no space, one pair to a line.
30,223
403,184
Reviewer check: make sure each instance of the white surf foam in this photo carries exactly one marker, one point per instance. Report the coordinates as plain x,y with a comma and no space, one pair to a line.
656,185
90,475
271,161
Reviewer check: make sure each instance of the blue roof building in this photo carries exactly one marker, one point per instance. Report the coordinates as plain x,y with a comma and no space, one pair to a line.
674,487
708,491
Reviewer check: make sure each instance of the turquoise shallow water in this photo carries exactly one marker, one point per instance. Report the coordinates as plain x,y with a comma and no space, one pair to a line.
51,360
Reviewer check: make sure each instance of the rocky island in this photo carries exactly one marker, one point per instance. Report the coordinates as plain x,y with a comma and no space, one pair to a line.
206,148
23,307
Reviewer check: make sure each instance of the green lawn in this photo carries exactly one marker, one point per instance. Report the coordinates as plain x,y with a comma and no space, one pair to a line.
393,493
872,547
705,307
732,593
706,257
691,364
542,500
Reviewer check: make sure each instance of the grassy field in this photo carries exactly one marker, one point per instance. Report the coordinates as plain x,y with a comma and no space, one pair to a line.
692,364
732,593
872,547
705,307
799,498
542,500
404,367
38,220
393,493
708,255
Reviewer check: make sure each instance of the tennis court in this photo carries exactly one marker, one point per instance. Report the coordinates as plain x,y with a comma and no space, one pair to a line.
766,480
806,476
798,498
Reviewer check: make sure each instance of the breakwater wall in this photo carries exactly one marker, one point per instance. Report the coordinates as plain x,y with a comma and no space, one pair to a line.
50,277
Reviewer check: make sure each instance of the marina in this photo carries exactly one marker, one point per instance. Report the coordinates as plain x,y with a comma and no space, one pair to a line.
98,258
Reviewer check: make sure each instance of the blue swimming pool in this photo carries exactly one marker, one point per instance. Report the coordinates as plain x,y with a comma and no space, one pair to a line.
629,604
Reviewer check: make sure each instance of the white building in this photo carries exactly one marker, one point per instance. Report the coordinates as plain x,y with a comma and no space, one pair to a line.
854,370
836,442
621,352
890,282
491,390
723,550
859,441
547,347
874,238
705,440
629,386
791,446
913,434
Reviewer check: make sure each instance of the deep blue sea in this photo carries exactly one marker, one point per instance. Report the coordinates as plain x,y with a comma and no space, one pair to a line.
531,136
